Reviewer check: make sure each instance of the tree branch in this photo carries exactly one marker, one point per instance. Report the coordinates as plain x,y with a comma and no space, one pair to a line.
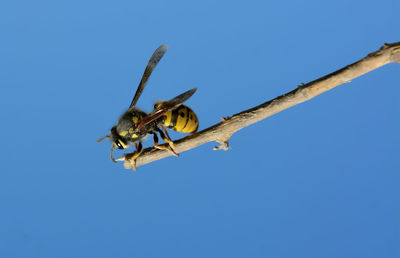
222,132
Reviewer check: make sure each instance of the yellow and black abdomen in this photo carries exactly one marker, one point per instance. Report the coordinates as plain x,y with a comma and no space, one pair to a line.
182,120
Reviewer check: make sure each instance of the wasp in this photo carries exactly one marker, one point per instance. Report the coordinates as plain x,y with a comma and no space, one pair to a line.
134,125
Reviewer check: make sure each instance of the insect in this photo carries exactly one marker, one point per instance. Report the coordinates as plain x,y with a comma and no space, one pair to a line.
134,125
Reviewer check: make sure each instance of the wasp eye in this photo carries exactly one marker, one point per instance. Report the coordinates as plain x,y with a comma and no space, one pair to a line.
119,145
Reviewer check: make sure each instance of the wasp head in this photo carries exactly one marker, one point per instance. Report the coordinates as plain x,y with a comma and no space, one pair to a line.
117,140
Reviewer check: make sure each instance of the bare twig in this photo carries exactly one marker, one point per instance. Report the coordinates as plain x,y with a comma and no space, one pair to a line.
222,131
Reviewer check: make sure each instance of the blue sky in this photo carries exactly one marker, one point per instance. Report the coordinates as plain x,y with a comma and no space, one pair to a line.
318,180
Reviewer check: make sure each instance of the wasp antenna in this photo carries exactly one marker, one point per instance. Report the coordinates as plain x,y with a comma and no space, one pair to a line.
102,138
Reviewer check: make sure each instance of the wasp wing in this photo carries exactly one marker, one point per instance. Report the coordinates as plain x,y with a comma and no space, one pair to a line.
155,58
164,108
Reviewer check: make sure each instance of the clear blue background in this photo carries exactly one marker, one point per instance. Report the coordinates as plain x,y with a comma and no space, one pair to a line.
318,180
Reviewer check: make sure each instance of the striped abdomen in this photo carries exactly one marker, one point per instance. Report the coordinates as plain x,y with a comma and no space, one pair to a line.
182,120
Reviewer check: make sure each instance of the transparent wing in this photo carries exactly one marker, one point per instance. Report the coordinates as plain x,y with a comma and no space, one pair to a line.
164,108
155,58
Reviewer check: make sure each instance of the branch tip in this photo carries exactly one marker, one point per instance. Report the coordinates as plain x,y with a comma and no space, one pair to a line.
121,159
127,165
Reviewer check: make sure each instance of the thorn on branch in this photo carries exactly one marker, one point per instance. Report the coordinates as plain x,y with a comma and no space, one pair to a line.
386,45
301,85
223,145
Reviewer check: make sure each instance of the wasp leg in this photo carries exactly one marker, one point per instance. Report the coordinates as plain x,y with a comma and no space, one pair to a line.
170,142
162,147
112,153
133,156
